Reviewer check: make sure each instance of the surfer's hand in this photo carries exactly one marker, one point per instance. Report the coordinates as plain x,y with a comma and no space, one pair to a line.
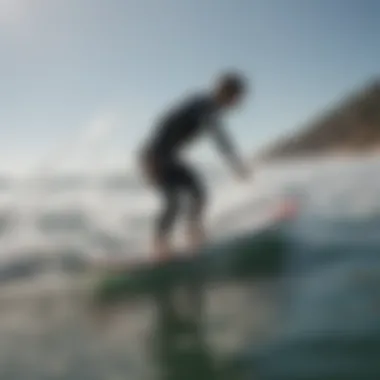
148,167
243,172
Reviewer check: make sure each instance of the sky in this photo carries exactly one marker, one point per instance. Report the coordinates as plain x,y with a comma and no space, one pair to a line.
82,81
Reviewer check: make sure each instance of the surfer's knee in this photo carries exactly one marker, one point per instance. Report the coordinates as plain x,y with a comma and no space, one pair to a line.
198,202
168,215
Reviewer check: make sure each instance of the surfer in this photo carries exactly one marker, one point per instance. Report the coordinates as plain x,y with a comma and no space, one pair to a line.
167,171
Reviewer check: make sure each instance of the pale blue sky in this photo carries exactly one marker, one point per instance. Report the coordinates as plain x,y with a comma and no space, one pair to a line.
84,70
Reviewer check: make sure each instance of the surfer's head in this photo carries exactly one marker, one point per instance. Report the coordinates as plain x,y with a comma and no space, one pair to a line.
230,89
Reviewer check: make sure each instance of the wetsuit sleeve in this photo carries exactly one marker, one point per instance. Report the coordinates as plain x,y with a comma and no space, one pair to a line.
225,144
222,140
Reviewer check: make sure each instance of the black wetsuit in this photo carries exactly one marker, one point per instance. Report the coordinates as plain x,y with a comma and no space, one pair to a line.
179,127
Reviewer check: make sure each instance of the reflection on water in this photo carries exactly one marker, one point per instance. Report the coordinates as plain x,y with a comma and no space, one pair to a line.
181,349
175,335
52,333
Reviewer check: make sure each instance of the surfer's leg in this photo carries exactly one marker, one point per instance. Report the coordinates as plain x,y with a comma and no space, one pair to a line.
197,202
170,177
197,234
165,222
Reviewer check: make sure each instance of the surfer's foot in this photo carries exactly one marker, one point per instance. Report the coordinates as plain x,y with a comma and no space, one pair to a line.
161,249
196,236
100,316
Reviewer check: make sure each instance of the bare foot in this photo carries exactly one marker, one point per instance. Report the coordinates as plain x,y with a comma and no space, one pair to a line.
196,236
101,316
162,249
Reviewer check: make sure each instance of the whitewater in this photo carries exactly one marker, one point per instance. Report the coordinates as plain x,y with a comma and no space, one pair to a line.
45,328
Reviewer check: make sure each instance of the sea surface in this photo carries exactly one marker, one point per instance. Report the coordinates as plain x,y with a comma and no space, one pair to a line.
51,227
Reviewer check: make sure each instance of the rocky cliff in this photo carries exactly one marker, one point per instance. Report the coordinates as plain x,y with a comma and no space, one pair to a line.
353,127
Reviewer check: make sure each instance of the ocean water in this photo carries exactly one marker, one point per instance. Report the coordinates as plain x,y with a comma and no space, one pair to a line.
50,227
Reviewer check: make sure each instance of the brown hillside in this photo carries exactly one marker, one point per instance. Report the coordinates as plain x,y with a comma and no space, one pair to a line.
353,126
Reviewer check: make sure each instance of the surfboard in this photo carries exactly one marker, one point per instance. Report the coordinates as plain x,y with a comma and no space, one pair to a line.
330,316
250,253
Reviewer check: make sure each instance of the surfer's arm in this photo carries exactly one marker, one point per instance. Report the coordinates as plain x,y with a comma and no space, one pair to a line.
226,147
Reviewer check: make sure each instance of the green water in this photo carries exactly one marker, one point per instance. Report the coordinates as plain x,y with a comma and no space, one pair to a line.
182,321
288,305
